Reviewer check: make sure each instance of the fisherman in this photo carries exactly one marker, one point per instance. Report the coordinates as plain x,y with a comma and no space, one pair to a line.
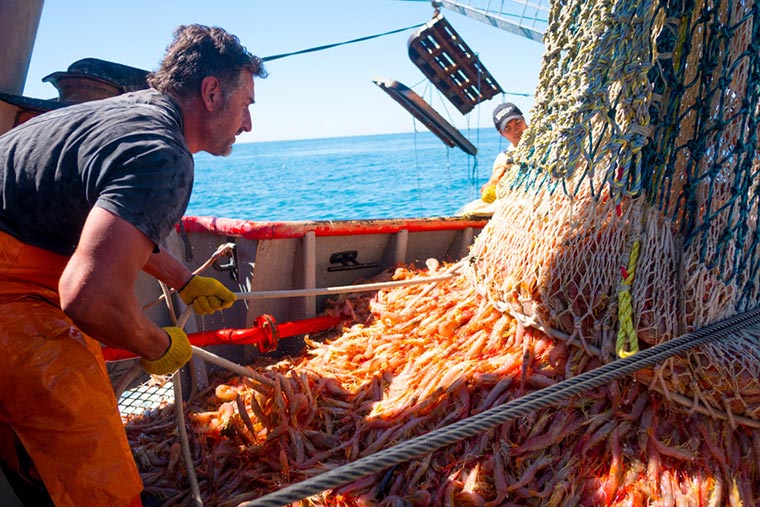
88,193
510,122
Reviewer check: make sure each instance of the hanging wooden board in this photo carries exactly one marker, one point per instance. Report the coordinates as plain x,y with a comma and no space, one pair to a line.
429,117
449,63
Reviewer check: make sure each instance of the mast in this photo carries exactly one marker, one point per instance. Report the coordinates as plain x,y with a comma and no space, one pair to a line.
19,20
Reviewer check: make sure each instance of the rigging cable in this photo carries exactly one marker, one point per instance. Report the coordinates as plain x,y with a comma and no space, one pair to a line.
328,46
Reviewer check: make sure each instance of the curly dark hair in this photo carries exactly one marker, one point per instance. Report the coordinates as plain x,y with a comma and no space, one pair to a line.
200,51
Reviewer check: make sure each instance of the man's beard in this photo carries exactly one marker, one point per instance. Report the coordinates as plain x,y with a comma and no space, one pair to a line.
218,146
222,150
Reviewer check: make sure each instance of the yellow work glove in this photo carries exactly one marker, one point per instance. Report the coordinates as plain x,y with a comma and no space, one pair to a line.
178,353
206,295
489,193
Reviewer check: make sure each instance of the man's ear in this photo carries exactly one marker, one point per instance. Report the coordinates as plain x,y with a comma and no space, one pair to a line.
211,93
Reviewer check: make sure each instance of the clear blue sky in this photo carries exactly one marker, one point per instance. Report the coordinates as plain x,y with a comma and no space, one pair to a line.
322,94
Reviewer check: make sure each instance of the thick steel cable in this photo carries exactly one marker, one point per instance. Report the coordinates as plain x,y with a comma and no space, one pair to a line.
547,397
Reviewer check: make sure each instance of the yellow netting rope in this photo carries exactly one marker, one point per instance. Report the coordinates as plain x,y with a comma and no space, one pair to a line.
627,342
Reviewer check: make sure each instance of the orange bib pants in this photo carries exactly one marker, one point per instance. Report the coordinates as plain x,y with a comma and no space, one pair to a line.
55,393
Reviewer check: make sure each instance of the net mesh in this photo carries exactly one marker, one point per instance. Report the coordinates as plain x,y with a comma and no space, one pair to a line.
630,215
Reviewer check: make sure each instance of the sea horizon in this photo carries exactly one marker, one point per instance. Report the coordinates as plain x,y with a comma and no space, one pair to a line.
240,143
402,175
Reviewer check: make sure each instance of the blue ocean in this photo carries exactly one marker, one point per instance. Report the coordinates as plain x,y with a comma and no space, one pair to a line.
380,176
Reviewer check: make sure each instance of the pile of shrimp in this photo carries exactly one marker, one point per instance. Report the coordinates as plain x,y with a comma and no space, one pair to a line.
421,357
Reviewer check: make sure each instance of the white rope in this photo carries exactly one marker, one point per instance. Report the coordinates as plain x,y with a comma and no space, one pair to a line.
184,440
272,294
450,272
179,409
220,361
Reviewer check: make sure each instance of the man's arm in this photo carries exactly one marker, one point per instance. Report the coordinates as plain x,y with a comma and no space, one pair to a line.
499,168
97,286
165,267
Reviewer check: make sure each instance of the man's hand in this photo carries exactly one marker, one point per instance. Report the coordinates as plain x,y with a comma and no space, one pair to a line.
178,353
206,295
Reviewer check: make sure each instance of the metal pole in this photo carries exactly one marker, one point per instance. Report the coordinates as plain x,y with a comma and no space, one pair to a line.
19,20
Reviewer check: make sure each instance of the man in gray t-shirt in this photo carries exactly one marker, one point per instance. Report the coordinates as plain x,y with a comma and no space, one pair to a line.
126,155
87,194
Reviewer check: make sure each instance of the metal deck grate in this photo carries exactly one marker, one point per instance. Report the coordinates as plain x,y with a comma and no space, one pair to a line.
145,398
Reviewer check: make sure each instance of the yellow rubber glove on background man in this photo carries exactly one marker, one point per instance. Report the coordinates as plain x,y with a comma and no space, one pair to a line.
206,295
488,194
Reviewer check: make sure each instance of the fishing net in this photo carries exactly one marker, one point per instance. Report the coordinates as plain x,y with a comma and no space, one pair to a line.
630,216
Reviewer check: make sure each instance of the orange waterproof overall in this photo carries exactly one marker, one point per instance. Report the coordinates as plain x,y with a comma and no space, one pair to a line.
54,389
